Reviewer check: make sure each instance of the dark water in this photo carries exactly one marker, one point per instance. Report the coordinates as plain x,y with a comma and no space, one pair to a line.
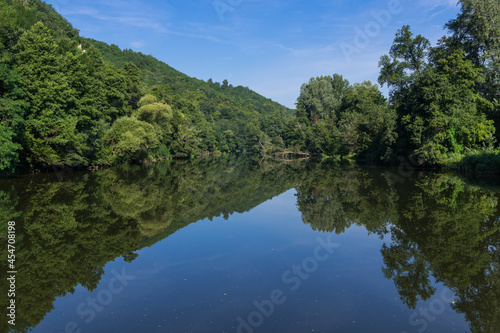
234,246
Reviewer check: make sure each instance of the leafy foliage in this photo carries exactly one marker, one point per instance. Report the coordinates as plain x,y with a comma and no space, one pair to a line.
434,91
476,30
69,101
443,100
336,119
62,94
131,140
321,97
367,123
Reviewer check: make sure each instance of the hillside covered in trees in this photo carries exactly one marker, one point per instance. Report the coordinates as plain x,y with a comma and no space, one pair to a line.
70,101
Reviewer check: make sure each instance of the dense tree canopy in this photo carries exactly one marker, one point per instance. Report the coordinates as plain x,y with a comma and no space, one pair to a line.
442,107
69,101
436,100
476,30
321,97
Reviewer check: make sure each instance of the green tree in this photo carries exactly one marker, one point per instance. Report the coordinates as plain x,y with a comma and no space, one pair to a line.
476,30
321,97
435,97
315,125
157,114
457,113
406,61
50,125
153,112
134,85
130,139
367,124
12,109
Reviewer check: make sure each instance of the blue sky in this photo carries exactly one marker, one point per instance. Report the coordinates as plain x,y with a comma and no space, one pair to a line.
270,46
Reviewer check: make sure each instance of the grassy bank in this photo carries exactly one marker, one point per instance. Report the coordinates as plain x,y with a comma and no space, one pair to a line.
479,162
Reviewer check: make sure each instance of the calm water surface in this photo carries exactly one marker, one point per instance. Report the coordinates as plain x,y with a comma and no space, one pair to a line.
234,246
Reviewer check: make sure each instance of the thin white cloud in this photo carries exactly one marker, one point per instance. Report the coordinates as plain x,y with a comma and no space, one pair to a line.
135,19
137,45
432,5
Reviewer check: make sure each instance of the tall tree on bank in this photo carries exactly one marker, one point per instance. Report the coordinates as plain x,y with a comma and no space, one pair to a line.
73,97
11,112
12,106
439,109
367,124
50,125
476,30
315,127
336,119
321,98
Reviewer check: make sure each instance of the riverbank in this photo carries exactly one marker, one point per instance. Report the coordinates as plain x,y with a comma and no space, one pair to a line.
478,162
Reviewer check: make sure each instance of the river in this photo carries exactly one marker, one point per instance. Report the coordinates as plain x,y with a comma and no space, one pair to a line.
234,245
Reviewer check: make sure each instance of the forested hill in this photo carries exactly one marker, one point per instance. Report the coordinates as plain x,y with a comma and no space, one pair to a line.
69,101
160,76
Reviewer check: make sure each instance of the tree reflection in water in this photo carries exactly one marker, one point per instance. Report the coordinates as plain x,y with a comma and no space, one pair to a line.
435,225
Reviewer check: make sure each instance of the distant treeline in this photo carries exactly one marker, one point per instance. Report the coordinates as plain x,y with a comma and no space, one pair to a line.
69,101
443,107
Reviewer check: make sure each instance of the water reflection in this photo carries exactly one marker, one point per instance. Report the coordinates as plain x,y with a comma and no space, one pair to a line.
436,227
448,230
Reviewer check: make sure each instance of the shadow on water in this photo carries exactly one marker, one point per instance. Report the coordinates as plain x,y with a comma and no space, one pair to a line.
435,226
